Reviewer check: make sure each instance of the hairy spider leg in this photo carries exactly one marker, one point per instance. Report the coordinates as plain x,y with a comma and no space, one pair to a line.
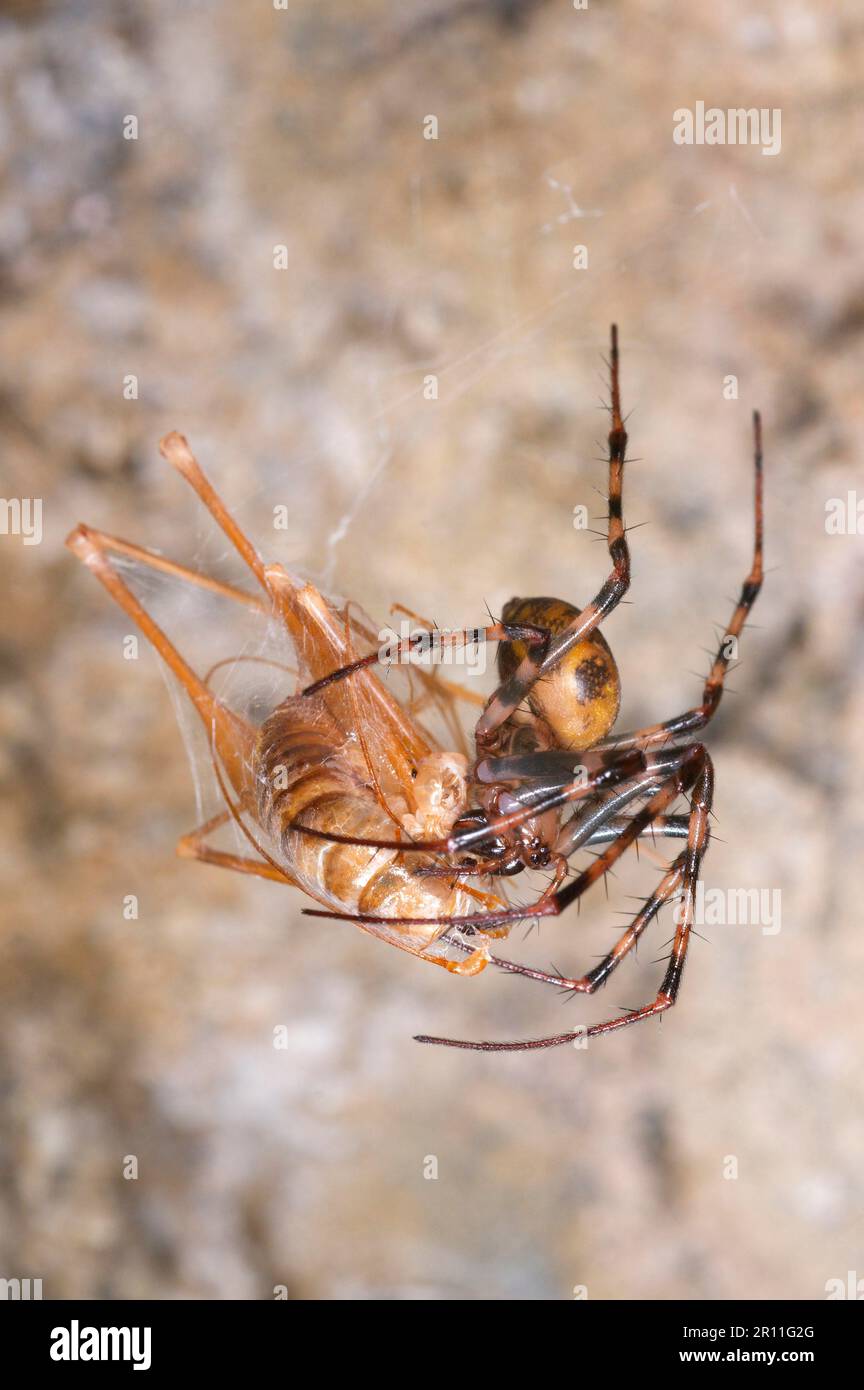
552,904
590,983
700,715
699,775
664,827
418,642
629,765
507,698
543,654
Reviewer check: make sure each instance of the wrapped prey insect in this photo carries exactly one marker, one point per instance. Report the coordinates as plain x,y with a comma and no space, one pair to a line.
343,791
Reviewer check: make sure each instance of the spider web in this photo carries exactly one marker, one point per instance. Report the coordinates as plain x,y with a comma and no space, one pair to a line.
452,503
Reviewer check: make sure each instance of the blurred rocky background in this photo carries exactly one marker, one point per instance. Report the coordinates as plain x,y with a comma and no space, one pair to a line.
301,385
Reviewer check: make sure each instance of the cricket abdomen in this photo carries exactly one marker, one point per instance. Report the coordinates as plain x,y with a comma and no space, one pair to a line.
309,774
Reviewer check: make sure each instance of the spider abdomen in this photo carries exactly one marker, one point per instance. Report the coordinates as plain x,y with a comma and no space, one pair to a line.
579,699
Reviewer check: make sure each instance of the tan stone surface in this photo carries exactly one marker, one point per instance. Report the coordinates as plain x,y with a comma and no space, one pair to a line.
303,387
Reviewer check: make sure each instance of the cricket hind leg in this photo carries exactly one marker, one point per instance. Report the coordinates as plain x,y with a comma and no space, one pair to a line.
174,448
115,545
194,846
231,734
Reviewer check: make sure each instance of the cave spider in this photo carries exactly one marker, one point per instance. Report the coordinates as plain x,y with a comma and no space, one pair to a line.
553,712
